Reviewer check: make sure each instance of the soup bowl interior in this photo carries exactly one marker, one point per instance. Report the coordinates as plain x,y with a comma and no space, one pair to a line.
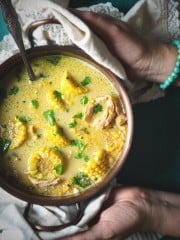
21,193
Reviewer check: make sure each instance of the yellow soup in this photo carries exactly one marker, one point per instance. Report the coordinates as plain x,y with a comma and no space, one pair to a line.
60,134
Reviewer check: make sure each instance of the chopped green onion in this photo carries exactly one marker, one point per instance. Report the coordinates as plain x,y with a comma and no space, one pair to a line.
49,116
72,124
57,94
4,144
84,100
13,90
59,169
86,81
35,103
74,142
56,148
81,180
82,155
78,115
77,143
53,59
24,119
97,108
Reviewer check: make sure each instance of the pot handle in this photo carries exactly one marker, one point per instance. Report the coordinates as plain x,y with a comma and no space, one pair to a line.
45,228
36,24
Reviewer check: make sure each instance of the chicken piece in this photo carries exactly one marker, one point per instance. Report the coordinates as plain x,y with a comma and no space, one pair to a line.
44,183
105,115
109,110
121,120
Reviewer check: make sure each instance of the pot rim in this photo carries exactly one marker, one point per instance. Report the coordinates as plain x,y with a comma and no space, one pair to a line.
12,62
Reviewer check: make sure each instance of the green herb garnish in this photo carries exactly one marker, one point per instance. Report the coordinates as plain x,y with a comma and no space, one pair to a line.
13,90
78,115
86,81
49,116
24,119
84,100
53,59
97,108
81,147
59,169
56,148
77,143
79,155
4,144
35,103
82,155
81,180
72,124
57,94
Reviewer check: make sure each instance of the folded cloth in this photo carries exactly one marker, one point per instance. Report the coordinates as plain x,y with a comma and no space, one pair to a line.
73,31
12,222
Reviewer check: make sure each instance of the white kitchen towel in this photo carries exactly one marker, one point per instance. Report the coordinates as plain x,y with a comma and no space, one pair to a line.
12,222
151,17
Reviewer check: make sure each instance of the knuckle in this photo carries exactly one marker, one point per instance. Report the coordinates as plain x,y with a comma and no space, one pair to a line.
91,15
114,28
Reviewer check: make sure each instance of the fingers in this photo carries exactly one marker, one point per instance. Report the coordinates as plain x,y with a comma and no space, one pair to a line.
136,209
162,209
122,41
103,25
95,20
120,219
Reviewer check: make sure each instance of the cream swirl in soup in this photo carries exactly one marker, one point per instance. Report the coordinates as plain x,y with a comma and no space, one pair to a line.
62,133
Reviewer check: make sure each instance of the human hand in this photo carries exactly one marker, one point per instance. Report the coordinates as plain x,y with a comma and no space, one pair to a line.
141,57
131,209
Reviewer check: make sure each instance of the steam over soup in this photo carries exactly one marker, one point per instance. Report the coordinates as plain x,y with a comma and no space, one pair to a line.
62,133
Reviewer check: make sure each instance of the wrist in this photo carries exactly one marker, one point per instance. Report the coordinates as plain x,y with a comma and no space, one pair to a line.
163,62
173,76
160,63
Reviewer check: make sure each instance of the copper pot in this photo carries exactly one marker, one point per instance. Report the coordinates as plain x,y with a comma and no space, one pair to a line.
33,198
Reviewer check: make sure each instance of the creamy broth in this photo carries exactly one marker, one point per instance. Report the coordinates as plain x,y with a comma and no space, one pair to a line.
62,133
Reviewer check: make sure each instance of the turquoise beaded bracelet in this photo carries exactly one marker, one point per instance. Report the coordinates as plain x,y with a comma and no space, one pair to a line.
175,73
